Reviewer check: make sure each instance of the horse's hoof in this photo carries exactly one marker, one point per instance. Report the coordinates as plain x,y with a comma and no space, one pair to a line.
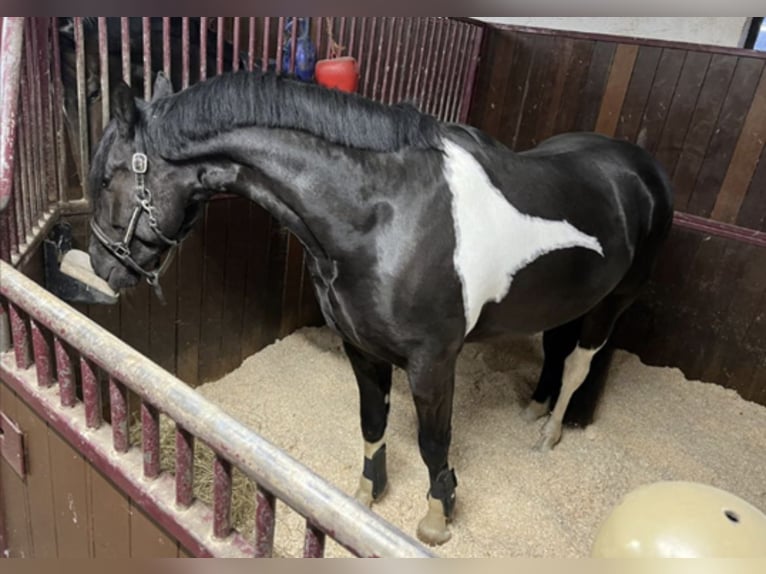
432,529
551,435
534,411
364,492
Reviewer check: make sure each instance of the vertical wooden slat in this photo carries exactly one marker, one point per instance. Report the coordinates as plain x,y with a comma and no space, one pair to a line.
185,47
70,499
622,65
119,413
150,439
265,54
146,27
91,392
184,467
202,47
222,474
166,45
240,237
236,41
43,355
265,518
39,487
574,86
537,88
701,127
724,138
280,43
256,281
189,302
291,293
125,49
745,158
219,46
103,52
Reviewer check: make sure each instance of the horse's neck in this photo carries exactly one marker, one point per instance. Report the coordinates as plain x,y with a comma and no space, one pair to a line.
291,175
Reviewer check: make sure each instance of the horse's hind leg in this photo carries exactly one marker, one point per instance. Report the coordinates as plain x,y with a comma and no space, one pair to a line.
558,343
597,325
373,378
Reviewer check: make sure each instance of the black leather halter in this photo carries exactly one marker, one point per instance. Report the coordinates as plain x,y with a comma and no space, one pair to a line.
121,249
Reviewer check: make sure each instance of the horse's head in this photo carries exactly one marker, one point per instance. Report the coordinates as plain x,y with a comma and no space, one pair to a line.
143,204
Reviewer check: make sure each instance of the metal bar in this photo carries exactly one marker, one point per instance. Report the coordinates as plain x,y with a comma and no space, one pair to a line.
49,143
342,32
331,28
64,374
91,394
6,341
20,336
236,41
190,526
16,210
265,56
265,519
12,42
219,46
119,415
25,164
43,355
373,25
202,48
221,497
331,510
166,45
146,36
433,68
450,58
473,65
387,70
280,43
184,467
82,109
251,43
379,60
351,35
406,72
293,44
35,105
184,52
58,110
125,45
150,439
460,67
395,72
425,37
103,53
313,542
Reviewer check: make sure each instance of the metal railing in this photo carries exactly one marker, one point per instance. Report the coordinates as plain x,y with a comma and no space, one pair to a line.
56,357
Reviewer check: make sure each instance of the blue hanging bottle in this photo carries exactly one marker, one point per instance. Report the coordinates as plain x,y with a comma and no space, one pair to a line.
305,51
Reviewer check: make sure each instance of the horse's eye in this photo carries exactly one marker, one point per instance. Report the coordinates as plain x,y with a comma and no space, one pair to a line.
104,183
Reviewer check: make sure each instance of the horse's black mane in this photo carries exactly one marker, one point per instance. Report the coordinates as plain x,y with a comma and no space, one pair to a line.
243,99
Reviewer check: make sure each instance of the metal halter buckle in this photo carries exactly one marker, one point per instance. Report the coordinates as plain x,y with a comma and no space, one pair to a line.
139,163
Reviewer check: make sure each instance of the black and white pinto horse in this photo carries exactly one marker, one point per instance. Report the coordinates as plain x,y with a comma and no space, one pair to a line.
420,235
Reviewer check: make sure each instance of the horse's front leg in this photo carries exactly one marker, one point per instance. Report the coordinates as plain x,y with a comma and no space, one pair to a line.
373,378
432,382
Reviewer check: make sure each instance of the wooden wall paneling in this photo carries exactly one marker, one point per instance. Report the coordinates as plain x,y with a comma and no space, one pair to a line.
147,540
134,317
237,245
681,109
211,319
189,305
613,98
744,160
15,504
573,86
641,81
752,214
703,123
511,102
311,314
553,88
110,518
275,276
537,91
256,280
724,138
162,319
70,498
39,488
486,95
291,289
660,98
597,86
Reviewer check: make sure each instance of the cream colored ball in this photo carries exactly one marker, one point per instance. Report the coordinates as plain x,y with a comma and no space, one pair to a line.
682,519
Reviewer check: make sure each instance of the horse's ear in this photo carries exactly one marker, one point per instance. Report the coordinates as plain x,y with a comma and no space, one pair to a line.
162,86
124,108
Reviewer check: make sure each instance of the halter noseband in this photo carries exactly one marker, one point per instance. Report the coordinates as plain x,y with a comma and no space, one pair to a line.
121,249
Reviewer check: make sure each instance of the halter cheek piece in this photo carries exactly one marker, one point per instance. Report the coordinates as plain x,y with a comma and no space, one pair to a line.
121,249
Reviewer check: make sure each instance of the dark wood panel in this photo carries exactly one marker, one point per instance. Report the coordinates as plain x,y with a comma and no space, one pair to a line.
110,517
725,136
574,86
510,101
162,322
681,109
537,92
39,490
254,311
753,211
15,509
660,97
291,293
616,89
595,85
489,75
711,98
641,82
189,306
147,540
70,498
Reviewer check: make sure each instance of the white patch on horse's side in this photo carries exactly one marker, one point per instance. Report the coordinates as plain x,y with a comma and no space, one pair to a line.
494,240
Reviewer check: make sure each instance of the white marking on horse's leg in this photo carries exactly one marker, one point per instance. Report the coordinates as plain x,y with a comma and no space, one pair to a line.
364,490
576,367
432,529
535,410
